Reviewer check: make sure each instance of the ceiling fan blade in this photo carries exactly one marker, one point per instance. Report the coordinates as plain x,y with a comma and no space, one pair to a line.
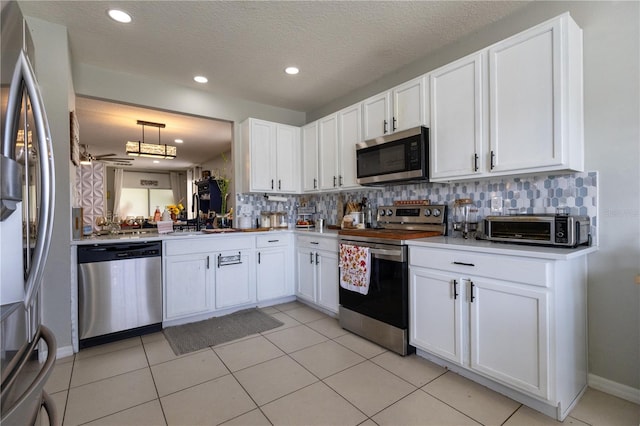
100,158
106,155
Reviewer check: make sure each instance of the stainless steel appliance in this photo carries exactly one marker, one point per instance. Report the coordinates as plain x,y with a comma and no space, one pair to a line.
396,158
539,229
27,348
119,291
382,315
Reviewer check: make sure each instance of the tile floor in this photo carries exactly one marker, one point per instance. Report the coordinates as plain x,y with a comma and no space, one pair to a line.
307,372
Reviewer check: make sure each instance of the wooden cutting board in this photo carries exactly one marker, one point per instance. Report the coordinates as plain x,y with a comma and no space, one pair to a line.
254,229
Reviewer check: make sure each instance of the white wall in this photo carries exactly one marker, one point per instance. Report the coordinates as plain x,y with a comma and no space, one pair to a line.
53,70
612,134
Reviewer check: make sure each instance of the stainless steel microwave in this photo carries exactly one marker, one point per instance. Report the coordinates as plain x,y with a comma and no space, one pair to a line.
401,157
543,229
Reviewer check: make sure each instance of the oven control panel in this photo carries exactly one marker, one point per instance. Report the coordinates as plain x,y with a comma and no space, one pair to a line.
432,214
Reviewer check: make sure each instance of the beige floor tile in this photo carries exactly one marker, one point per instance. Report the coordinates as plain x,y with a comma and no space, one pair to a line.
313,405
148,414
329,327
526,416
109,396
152,337
246,353
109,347
368,422
252,418
269,310
295,338
181,373
284,307
326,358
66,359
60,378
305,314
421,409
60,401
210,403
287,322
598,408
87,370
414,369
476,401
359,345
369,387
273,379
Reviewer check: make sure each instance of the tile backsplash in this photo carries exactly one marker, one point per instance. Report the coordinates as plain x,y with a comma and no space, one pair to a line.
577,192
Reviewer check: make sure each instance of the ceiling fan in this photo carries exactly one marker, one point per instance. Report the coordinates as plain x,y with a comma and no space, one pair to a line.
87,158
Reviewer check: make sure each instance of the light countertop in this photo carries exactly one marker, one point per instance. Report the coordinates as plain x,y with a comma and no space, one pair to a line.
490,247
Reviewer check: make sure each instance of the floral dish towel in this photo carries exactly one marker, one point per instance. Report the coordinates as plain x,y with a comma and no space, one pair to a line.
355,265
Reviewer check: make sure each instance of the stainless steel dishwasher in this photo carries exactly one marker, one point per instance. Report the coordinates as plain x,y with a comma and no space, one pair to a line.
119,291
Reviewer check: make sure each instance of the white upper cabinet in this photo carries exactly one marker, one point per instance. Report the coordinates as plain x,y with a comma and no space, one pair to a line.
349,134
516,107
310,157
398,109
457,131
272,151
328,152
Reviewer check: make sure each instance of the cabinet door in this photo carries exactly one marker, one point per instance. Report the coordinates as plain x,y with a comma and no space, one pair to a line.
272,277
349,134
305,279
327,148
375,116
509,334
188,287
436,314
234,283
408,105
310,157
456,130
288,163
263,151
327,279
526,100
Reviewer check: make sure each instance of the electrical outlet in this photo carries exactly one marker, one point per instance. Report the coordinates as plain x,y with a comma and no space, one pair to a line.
496,205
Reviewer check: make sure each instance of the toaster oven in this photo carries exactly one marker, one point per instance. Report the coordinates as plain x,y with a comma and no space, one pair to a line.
539,229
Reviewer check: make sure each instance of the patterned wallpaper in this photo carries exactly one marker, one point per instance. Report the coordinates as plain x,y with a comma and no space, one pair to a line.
90,192
577,192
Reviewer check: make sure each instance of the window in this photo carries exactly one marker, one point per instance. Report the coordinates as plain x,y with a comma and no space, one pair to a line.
143,201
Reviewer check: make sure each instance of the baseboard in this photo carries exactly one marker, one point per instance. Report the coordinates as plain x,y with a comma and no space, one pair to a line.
614,388
64,352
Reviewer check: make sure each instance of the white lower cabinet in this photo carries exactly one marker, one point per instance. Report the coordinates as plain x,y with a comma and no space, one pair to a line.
518,321
188,286
234,283
274,270
317,270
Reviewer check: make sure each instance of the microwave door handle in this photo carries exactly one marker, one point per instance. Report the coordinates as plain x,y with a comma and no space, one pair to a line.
395,255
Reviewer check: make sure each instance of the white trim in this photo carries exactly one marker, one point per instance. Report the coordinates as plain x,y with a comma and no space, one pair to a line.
64,352
614,388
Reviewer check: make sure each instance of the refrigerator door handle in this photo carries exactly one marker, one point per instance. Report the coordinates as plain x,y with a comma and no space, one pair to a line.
24,78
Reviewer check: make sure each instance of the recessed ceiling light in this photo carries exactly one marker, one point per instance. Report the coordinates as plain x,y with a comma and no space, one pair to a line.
119,16
156,161
200,79
178,141
291,70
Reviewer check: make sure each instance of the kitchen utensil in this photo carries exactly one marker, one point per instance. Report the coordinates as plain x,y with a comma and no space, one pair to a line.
319,225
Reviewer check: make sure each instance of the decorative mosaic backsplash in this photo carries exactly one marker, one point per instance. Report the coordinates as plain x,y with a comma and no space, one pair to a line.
90,184
577,192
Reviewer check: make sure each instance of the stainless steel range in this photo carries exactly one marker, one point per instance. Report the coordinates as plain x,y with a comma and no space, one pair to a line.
382,314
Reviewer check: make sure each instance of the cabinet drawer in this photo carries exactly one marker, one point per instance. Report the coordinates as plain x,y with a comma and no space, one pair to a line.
276,239
206,245
507,268
317,242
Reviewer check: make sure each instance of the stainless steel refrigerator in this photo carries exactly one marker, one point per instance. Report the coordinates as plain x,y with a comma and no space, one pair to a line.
27,348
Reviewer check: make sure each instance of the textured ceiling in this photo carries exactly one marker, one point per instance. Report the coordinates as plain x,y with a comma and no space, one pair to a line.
243,47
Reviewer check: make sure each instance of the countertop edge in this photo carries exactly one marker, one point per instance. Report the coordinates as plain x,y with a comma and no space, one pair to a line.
489,247
152,236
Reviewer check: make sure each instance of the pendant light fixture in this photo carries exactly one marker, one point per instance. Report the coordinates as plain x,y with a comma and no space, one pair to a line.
142,149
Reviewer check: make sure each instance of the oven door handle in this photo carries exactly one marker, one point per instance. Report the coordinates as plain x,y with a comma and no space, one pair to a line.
386,254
